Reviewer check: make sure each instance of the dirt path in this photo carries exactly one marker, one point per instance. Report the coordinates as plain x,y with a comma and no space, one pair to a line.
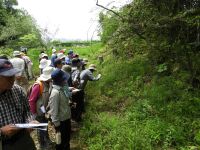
74,142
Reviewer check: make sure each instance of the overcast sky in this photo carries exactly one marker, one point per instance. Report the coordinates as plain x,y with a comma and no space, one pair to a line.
68,19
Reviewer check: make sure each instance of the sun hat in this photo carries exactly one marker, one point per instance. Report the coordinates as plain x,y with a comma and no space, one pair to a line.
92,67
16,53
58,76
44,63
60,55
53,50
7,69
46,73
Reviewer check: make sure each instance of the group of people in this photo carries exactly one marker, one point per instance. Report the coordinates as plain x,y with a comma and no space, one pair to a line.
57,96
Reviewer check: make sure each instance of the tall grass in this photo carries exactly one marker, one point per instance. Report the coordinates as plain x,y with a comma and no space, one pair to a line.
134,107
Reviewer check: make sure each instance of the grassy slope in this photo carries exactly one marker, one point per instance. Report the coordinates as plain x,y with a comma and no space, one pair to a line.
134,107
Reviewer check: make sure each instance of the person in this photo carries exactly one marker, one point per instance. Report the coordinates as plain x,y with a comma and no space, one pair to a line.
38,100
53,57
84,63
28,64
76,69
61,56
58,63
87,75
43,64
19,63
68,58
78,97
14,109
59,109
68,69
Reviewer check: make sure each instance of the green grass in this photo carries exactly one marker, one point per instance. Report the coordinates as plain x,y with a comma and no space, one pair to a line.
134,107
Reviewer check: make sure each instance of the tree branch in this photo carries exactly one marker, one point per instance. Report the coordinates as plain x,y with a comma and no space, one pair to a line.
117,14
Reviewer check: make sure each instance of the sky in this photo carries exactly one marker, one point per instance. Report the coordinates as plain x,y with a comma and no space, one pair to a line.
68,19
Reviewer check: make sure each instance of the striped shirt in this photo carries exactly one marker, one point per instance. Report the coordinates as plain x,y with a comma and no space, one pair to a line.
14,107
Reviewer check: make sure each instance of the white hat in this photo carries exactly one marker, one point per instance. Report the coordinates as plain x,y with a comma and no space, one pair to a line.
60,55
16,53
92,67
46,74
44,63
53,50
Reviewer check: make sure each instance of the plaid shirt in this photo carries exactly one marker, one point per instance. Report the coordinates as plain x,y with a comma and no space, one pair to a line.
14,107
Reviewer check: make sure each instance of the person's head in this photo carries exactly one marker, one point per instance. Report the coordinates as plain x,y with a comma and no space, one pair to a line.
61,56
24,50
76,62
44,56
7,74
67,68
44,63
70,53
53,51
59,77
58,63
46,74
75,56
16,54
92,67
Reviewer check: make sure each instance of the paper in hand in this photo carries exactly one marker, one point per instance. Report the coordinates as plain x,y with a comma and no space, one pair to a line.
40,126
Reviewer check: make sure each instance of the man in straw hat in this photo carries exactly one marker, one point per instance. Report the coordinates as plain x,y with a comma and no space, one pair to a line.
87,75
38,100
14,109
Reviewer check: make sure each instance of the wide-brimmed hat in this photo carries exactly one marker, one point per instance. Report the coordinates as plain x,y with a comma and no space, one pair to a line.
92,67
44,63
6,68
46,74
16,53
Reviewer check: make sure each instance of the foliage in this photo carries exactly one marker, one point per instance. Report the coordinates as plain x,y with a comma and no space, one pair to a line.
148,96
167,30
15,24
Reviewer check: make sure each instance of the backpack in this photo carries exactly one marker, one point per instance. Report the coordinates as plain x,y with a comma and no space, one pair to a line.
39,102
31,87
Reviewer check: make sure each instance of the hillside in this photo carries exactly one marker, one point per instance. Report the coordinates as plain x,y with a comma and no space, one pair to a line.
134,106
148,97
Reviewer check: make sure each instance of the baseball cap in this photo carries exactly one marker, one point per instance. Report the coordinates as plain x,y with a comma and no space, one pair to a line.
58,76
7,69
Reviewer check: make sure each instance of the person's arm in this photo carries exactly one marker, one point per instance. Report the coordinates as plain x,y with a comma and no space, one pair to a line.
91,77
34,95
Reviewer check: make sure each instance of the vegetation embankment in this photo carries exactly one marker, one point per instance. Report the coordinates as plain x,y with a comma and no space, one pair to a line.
148,96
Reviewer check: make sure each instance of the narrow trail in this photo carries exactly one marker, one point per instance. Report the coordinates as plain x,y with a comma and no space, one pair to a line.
74,142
